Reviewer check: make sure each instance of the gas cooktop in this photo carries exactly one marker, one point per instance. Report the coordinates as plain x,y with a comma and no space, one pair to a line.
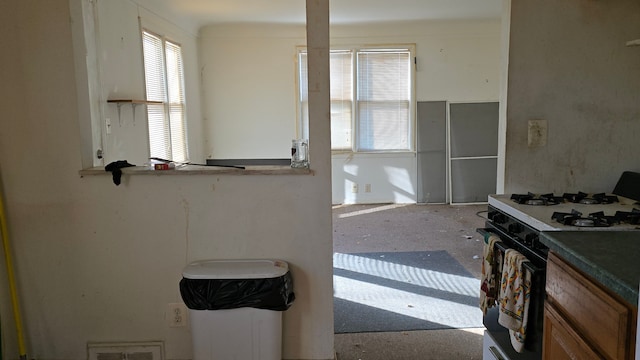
541,216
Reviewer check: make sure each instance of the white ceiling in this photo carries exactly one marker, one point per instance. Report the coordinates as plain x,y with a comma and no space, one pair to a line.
205,12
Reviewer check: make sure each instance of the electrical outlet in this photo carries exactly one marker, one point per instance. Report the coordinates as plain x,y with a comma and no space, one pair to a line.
176,315
367,188
354,188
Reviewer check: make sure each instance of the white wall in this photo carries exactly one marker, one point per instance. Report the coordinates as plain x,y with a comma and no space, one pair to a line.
120,59
378,178
457,61
569,65
249,89
96,262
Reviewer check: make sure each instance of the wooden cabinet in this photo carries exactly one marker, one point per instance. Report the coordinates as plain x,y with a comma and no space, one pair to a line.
561,342
583,320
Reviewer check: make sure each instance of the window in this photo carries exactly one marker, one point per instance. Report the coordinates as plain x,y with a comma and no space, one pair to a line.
164,81
382,88
341,93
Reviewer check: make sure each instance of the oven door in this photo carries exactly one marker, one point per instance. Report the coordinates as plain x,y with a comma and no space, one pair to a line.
500,334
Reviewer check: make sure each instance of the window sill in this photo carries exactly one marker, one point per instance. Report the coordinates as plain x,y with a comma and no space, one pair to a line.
374,154
203,170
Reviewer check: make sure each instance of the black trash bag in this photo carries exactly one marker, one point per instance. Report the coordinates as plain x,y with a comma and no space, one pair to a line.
218,294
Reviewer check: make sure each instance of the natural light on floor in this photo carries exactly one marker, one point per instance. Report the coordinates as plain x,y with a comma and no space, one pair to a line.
436,307
369,211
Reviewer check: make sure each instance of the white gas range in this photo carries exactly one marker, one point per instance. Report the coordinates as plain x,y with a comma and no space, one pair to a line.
518,220
540,218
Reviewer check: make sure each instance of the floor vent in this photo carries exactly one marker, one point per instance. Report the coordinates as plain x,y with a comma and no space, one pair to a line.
126,351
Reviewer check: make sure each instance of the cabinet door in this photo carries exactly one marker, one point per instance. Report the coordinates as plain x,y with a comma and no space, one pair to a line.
595,314
561,342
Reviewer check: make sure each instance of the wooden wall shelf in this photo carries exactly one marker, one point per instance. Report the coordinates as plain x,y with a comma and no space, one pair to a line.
134,103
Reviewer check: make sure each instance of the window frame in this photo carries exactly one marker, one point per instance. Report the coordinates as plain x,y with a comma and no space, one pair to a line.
167,104
355,119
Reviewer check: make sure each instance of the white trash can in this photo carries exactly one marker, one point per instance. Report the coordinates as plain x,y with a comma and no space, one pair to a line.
231,308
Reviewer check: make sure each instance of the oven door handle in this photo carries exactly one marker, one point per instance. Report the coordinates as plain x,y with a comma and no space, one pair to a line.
486,232
483,232
503,247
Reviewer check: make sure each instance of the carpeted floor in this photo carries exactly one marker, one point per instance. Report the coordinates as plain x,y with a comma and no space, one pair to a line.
384,228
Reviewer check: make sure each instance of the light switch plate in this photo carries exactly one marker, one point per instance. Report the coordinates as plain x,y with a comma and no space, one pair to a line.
537,133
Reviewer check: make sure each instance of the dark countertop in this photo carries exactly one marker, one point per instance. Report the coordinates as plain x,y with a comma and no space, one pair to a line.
611,257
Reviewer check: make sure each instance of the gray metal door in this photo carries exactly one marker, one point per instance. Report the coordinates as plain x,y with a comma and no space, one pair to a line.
473,151
432,151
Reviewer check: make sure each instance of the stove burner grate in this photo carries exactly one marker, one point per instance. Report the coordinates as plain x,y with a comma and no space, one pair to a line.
597,219
584,198
629,217
537,200
575,218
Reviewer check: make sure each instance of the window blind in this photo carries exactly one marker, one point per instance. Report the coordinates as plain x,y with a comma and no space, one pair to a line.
341,93
341,82
176,101
383,99
164,80
380,119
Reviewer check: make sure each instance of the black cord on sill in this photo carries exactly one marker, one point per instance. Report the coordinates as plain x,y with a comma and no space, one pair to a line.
190,163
